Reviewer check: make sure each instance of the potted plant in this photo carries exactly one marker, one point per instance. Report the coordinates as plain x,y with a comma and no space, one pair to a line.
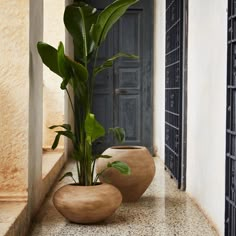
85,201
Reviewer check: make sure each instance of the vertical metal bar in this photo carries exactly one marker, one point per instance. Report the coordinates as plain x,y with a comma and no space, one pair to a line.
175,136
184,94
230,183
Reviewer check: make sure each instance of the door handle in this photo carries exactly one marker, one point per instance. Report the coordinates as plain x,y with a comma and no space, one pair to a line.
121,91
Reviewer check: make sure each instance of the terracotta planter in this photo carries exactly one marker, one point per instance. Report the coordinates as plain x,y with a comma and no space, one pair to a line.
87,204
142,170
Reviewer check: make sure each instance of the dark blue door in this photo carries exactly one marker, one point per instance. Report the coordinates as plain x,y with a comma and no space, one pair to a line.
123,95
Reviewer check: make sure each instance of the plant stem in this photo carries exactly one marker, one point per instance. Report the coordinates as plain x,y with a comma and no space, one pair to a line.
73,179
76,131
93,76
72,107
98,175
94,162
78,170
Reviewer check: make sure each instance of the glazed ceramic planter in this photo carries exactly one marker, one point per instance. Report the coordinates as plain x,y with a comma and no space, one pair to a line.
87,204
142,170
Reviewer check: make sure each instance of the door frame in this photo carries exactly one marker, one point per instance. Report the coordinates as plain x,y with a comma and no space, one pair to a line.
147,71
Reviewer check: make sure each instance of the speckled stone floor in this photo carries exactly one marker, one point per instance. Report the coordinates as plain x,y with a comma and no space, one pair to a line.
162,210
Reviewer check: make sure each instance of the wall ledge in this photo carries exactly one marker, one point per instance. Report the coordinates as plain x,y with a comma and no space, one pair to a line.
11,197
14,210
50,160
13,218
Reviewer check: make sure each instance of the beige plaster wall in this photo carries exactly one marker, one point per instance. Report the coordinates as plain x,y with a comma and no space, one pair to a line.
53,97
14,98
21,111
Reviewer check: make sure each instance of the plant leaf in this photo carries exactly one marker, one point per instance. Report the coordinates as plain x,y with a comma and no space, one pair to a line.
102,156
93,128
118,133
56,141
67,134
48,55
67,174
78,70
79,19
108,17
122,167
109,63
63,66
70,71
65,126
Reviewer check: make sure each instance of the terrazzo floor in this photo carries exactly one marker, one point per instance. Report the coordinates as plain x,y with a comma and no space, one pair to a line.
163,210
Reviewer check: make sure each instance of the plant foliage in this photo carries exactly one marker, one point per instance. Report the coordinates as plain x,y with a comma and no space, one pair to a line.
88,29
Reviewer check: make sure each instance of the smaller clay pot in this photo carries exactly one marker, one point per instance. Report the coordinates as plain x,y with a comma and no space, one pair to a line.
142,168
87,204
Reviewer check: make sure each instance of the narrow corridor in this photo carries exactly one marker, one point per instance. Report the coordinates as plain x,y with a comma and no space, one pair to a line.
163,210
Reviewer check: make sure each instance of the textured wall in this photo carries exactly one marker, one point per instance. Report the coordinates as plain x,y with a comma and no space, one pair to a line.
14,96
53,97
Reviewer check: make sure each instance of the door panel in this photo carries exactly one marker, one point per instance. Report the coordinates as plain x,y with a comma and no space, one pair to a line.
129,78
130,117
128,91
103,93
129,33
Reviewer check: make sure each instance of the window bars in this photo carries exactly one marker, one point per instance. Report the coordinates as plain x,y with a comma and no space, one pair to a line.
230,191
173,88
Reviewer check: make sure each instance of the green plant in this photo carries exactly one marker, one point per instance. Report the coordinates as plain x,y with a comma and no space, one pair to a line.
89,30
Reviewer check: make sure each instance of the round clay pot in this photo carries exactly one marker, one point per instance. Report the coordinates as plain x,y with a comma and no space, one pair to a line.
87,204
142,168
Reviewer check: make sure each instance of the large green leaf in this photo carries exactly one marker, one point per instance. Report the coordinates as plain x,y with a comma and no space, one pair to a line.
109,63
108,17
119,134
48,55
79,19
93,128
78,70
122,167
63,66
69,70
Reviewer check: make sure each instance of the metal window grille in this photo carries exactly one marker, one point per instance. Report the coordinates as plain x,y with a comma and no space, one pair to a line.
230,198
173,88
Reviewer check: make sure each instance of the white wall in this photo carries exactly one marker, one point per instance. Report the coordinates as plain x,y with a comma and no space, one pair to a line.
206,102
207,106
159,77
